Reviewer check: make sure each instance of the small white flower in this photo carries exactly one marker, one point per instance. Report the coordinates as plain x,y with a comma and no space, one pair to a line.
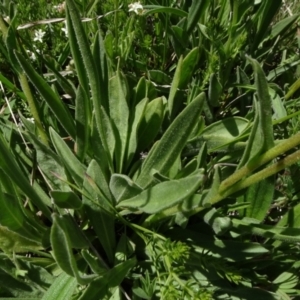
30,120
31,55
65,29
39,34
137,7
7,19
60,7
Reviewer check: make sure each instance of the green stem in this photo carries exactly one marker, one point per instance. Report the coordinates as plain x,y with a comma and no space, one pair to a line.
261,160
267,172
261,175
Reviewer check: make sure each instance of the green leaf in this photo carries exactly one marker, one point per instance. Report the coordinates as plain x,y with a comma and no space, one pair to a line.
188,65
99,54
57,106
12,87
150,123
12,242
117,274
133,130
174,88
75,234
165,153
197,9
220,136
153,9
163,195
62,251
260,195
119,114
214,91
62,288
261,139
263,18
282,26
61,246
286,234
10,167
66,199
83,122
13,217
99,211
122,187
75,24
50,164
70,161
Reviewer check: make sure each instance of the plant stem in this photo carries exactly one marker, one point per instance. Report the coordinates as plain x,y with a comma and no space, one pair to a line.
261,160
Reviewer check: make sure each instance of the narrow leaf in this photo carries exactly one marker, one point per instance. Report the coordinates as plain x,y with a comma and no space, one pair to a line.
163,195
57,106
61,289
163,156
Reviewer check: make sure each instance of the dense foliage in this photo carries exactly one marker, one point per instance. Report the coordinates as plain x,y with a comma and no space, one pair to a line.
149,150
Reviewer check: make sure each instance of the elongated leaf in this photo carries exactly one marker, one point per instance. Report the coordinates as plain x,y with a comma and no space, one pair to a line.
153,9
163,156
101,219
62,288
11,86
195,12
163,195
151,123
62,250
12,216
286,234
282,26
57,106
50,164
133,130
174,87
83,122
119,114
214,91
75,25
117,274
10,167
261,139
99,54
264,16
76,55
70,161
188,65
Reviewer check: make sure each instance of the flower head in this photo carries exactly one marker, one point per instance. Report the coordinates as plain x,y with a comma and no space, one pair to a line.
39,34
137,7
